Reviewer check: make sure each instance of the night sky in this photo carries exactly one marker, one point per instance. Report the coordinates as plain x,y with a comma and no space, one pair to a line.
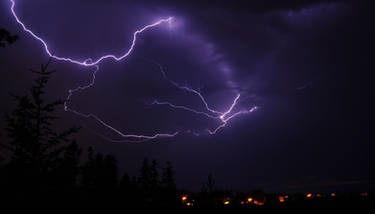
306,65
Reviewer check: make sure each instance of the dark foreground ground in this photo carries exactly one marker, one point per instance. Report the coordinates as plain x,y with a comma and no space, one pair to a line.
255,201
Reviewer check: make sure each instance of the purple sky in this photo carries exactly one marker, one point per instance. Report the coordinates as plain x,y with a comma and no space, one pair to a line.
305,65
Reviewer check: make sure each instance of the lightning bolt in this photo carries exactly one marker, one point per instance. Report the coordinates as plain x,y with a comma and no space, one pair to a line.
88,62
223,117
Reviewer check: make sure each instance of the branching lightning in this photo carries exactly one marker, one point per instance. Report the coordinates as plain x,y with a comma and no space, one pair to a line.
88,62
210,113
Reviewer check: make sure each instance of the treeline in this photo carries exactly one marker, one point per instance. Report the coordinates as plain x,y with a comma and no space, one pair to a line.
40,164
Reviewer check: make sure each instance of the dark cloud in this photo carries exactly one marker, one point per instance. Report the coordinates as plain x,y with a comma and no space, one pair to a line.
247,6
306,64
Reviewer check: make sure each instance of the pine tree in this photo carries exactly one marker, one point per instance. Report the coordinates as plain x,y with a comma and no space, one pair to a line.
154,173
36,148
168,178
145,176
99,172
68,170
169,186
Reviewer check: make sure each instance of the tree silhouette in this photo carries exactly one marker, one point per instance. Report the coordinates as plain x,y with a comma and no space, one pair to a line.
154,173
144,180
99,172
208,192
210,185
168,185
1,157
7,37
125,183
68,170
44,164
167,180
37,150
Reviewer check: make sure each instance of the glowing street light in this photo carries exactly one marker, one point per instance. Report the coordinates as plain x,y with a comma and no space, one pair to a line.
249,200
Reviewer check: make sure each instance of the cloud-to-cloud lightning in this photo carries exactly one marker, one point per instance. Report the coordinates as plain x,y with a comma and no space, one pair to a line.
223,117
88,62
211,113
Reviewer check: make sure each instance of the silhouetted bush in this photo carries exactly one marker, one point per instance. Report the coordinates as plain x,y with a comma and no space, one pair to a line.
7,37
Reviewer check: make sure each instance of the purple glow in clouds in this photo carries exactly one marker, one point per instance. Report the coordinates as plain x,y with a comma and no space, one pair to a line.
222,117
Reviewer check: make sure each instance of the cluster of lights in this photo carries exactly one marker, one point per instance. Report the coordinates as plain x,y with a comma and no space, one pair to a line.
186,201
259,203
251,200
283,198
318,195
227,201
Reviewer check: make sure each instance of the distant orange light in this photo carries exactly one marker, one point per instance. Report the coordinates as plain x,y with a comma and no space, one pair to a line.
226,202
287,196
364,194
250,200
281,199
184,198
259,203
188,204
333,194
242,202
308,195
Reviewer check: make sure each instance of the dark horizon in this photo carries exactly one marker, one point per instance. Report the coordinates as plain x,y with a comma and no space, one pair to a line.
305,66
